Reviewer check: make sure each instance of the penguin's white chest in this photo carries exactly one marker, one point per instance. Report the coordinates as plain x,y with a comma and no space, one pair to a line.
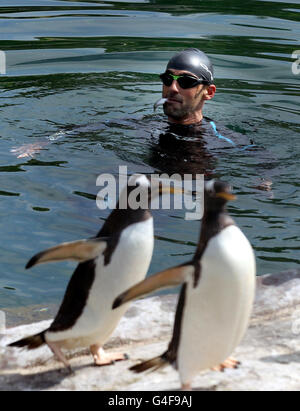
217,311
128,265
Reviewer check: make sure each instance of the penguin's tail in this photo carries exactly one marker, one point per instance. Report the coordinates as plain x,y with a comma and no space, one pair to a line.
32,342
153,364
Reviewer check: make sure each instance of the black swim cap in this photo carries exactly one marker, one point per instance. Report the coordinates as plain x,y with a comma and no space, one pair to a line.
195,61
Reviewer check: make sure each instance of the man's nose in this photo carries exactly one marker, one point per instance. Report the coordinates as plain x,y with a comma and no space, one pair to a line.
174,87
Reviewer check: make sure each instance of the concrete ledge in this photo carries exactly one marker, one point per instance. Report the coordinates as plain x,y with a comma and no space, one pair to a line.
270,351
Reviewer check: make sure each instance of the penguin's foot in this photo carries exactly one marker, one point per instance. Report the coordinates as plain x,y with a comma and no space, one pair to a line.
229,363
186,387
57,352
102,358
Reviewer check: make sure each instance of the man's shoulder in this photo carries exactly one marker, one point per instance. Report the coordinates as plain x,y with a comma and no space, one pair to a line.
225,136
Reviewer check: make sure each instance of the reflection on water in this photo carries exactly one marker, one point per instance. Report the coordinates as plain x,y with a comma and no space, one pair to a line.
79,92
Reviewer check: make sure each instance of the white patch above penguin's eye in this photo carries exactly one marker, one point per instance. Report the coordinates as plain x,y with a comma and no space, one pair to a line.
140,180
210,185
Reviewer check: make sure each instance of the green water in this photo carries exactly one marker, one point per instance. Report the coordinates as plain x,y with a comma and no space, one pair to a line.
95,64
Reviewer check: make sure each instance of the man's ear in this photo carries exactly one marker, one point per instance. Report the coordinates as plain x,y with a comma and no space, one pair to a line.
210,92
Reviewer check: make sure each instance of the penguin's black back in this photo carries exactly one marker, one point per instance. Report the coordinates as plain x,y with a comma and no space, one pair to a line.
75,297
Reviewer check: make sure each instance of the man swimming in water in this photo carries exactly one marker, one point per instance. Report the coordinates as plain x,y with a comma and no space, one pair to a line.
189,142
187,85
188,82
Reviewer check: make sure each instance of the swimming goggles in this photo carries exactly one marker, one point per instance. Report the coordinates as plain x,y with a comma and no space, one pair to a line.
185,81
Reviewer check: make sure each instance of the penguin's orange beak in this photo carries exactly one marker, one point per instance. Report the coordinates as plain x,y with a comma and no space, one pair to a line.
226,196
170,190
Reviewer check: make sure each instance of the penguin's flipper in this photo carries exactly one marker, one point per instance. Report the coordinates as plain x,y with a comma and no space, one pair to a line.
171,277
81,251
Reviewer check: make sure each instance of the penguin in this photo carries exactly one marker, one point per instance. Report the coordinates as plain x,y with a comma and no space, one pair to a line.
116,259
216,297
